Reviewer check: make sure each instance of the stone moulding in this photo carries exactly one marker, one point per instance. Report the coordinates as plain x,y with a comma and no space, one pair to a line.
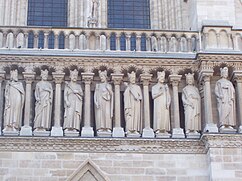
222,140
101,145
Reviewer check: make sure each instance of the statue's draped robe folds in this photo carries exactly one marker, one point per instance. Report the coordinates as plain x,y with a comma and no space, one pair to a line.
225,93
162,99
43,105
132,107
192,108
14,96
103,98
73,95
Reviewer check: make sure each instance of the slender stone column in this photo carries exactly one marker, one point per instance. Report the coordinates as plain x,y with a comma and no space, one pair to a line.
108,42
118,131
4,40
117,43
148,44
36,36
15,41
77,42
66,41
177,131
26,36
57,129
87,130
138,43
2,76
45,40
208,113
147,131
26,130
56,42
128,43
237,77
99,45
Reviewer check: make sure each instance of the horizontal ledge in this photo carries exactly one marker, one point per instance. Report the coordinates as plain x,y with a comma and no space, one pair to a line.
101,145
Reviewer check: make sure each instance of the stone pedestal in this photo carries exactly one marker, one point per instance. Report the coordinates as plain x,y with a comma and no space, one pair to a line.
178,133
26,131
118,132
133,135
148,133
193,135
71,133
163,135
87,132
227,130
10,133
104,134
56,131
41,133
211,128
240,129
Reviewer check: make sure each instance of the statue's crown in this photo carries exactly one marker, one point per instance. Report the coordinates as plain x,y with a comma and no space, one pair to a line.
44,72
103,72
132,74
223,70
189,76
74,72
159,74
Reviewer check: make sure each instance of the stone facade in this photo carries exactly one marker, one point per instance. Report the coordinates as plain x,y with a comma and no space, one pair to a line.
185,37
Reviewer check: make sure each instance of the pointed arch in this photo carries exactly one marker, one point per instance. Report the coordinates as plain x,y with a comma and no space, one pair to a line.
88,170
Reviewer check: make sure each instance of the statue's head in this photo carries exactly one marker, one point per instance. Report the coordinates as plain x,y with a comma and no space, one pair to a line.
103,75
14,75
189,78
132,77
74,75
44,74
161,76
224,72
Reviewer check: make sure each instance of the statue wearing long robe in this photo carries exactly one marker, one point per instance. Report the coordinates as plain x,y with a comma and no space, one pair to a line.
132,107
103,99
43,105
14,96
162,100
225,93
73,96
192,107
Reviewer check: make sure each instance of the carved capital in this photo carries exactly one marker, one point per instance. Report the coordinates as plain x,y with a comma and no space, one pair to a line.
58,77
117,78
205,75
237,76
29,77
175,79
87,77
145,78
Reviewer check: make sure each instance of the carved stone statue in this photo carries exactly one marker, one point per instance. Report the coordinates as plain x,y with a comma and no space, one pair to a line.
132,106
192,106
14,102
225,94
103,100
162,101
73,98
43,104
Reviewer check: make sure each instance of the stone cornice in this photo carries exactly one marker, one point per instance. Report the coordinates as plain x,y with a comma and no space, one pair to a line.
101,145
222,140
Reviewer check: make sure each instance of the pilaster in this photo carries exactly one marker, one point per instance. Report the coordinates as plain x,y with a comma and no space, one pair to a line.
118,131
147,131
57,129
177,131
87,130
